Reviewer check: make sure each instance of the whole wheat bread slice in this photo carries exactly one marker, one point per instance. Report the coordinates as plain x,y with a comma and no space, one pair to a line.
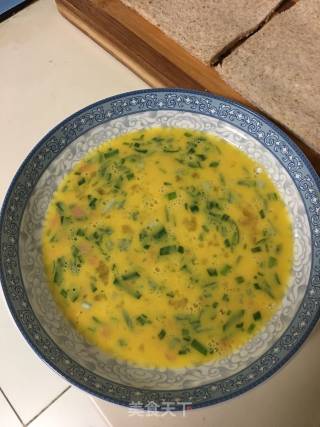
205,28
278,69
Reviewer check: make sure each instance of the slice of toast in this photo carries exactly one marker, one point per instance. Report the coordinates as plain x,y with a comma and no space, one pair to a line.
278,70
205,28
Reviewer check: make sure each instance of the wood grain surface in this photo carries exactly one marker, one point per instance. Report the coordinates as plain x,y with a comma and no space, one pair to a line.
149,53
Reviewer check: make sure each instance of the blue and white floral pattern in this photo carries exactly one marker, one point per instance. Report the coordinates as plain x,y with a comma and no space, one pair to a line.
53,338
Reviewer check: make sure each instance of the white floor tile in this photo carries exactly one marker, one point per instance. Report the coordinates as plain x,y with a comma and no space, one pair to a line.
28,383
7,417
73,409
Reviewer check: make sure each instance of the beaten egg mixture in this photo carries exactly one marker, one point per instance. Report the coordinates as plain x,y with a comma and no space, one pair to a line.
167,247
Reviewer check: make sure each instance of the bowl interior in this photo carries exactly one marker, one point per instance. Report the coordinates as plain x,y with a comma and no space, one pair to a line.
88,356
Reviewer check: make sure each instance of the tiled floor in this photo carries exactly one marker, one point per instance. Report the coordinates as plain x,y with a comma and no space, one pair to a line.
33,395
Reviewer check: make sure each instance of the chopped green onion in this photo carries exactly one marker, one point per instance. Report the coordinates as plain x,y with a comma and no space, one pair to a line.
194,164
222,180
92,201
162,334
213,205
197,345
111,153
127,319
64,293
130,276
58,270
214,164
80,232
167,250
60,206
171,150
227,243
54,238
225,269
225,297
65,219
93,287
170,294
141,150
272,196
76,260
134,215
272,262
257,315
143,319
262,214
160,233
247,183
277,278
137,294
122,342
166,211
134,293
184,350
172,195
74,294
186,334
212,271
130,175
233,319
264,287
194,208
209,285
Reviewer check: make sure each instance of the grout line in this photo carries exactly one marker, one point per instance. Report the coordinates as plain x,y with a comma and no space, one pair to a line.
11,406
46,407
100,411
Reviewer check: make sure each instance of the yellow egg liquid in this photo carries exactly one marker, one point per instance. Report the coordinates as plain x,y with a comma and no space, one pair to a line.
167,247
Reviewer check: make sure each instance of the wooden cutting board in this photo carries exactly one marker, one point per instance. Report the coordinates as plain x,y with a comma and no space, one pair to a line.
148,52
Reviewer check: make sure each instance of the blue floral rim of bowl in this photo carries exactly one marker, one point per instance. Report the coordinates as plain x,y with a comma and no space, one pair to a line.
224,111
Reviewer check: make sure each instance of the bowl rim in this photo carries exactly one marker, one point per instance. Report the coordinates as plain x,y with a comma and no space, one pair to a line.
240,116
